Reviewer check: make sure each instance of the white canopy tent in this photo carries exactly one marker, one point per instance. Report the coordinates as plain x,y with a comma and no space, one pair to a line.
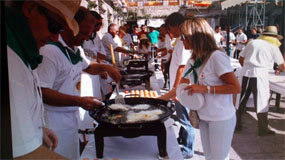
141,22
156,23
230,3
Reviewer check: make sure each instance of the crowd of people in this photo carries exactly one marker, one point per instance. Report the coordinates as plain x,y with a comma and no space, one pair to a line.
237,41
59,65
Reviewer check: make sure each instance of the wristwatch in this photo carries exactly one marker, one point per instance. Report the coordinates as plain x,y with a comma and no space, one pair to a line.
208,89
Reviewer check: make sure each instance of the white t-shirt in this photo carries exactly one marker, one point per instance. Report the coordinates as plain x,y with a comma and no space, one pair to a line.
180,57
99,45
232,36
240,38
127,40
135,39
55,69
118,55
217,107
144,49
259,57
231,40
26,106
168,42
163,45
89,47
107,40
218,38
94,46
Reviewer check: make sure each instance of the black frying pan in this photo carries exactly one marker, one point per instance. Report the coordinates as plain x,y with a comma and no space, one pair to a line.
131,81
136,74
166,106
134,63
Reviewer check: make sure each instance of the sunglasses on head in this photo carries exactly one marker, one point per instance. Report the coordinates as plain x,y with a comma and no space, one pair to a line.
53,26
183,37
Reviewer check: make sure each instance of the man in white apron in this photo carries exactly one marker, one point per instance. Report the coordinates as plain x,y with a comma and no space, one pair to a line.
90,84
257,59
60,81
29,24
95,47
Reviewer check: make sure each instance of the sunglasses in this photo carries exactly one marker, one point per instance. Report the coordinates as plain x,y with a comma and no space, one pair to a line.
167,29
53,26
98,24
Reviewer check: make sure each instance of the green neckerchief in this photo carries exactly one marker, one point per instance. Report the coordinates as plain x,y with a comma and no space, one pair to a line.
193,67
74,57
20,39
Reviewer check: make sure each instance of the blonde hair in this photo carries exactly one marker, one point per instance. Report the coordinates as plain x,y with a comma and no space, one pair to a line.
200,36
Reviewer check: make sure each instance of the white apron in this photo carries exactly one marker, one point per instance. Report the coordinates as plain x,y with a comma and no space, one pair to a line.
63,120
263,90
90,86
105,85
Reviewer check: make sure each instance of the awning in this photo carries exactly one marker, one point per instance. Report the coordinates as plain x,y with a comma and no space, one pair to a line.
156,23
230,3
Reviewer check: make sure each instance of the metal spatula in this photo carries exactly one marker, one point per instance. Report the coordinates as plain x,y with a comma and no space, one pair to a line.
119,98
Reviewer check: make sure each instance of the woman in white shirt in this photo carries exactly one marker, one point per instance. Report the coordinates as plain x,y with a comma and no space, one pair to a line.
216,81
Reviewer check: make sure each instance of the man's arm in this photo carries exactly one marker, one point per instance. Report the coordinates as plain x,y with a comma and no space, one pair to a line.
172,93
123,50
281,68
55,98
244,41
242,56
95,68
241,60
100,57
178,79
178,75
163,52
42,152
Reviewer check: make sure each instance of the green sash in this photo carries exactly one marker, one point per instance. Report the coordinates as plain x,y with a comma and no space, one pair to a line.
20,39
74,57
193,67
